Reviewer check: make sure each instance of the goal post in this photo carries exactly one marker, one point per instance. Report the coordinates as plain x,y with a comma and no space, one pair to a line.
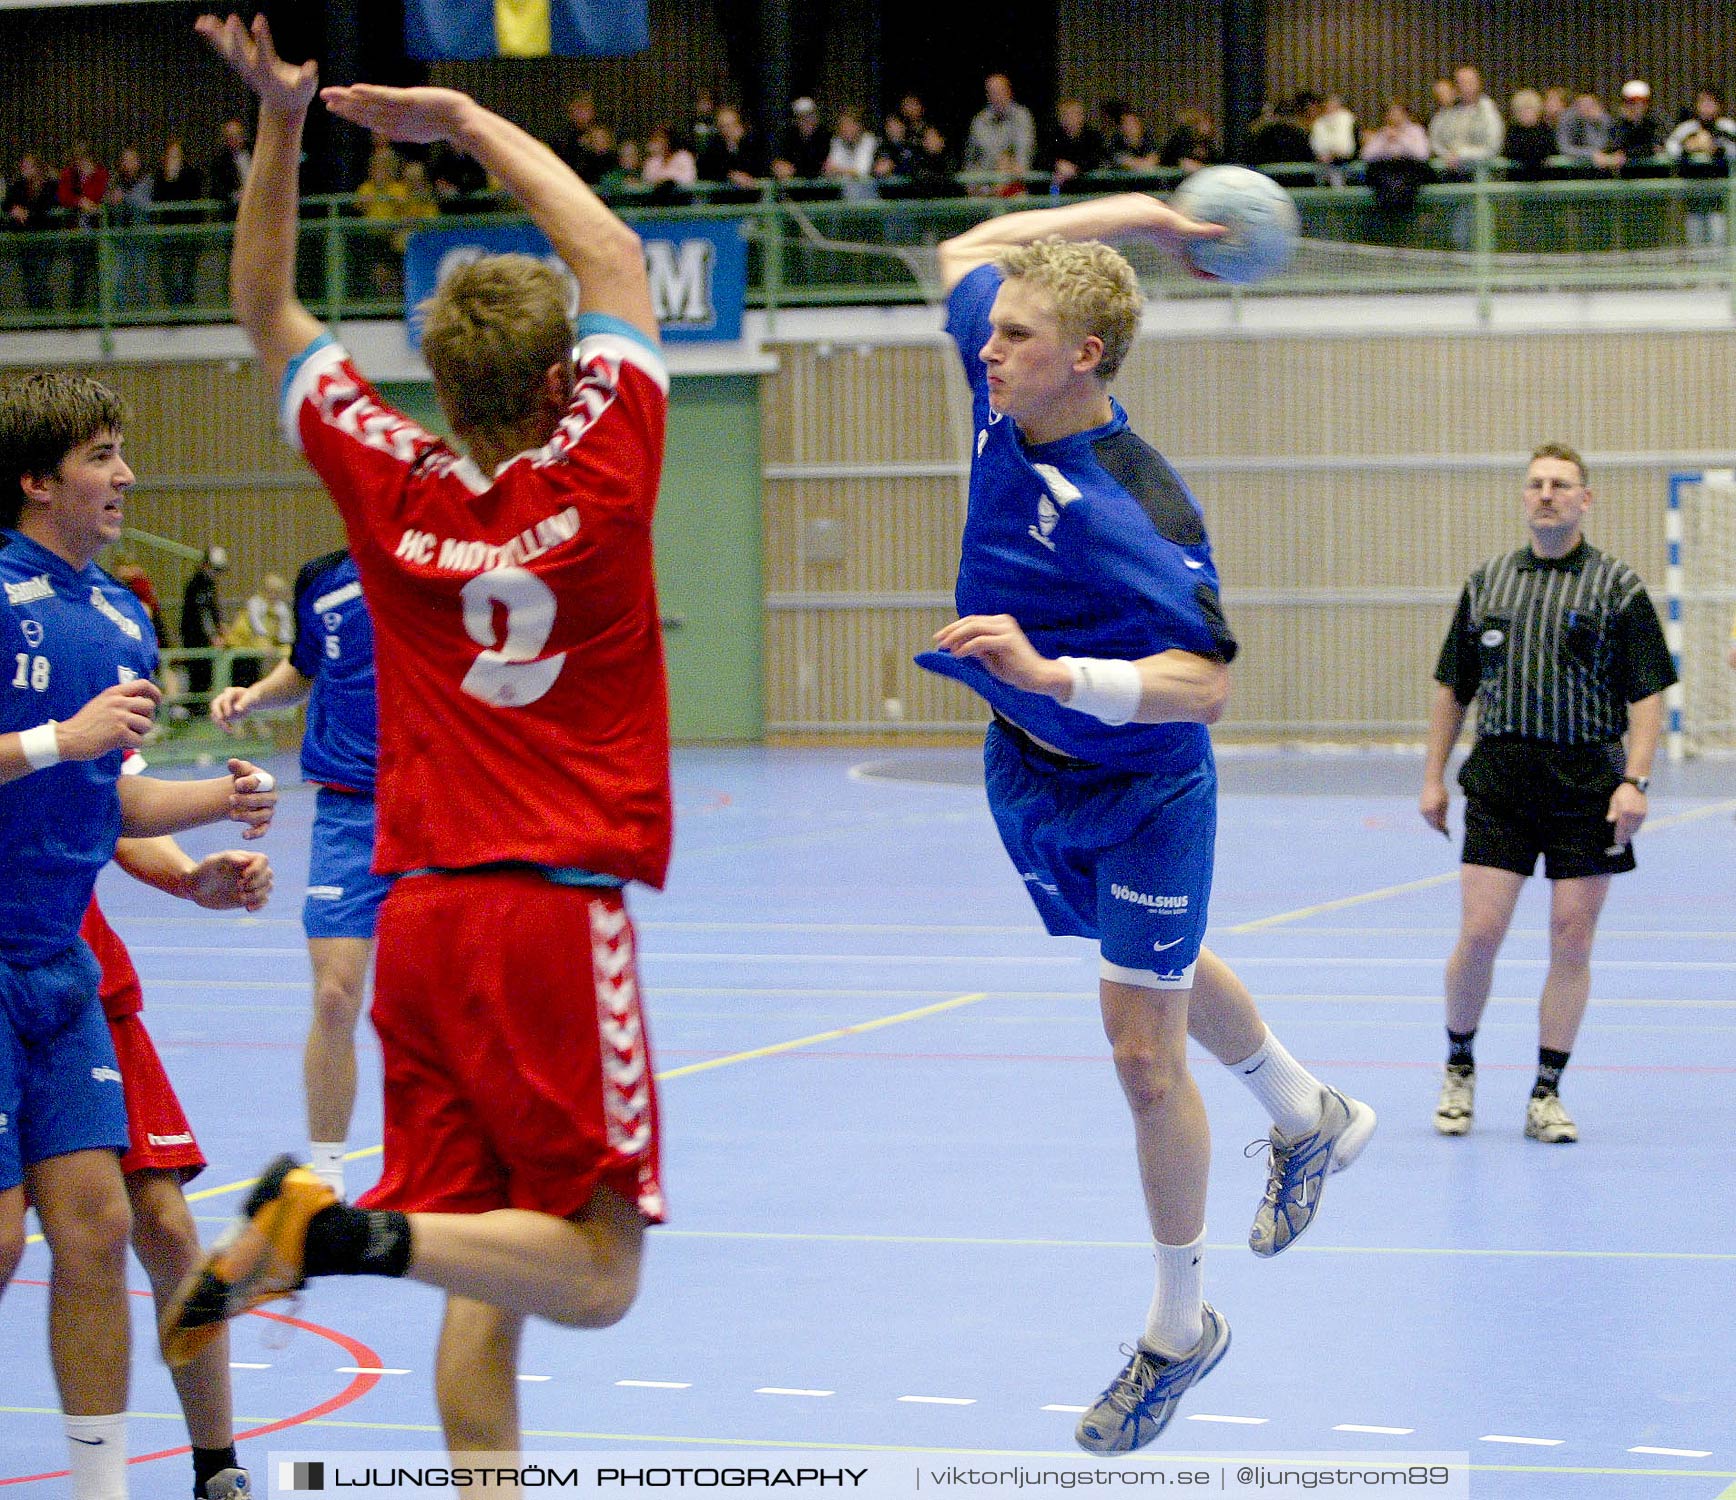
1700,604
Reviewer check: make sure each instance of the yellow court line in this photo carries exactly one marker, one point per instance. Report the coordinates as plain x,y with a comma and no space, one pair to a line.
861,1027
1343,903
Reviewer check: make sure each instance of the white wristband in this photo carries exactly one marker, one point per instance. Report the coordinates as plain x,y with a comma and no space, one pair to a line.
1107,690
41,746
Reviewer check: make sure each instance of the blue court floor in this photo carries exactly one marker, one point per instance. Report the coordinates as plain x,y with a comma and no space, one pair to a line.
903,1208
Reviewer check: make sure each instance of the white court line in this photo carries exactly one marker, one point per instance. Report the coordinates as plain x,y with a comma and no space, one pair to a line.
239,1364
658,1385
1380,1431
1201,1416
369,1370
536,1378
1433,961
1674,1452
940,1400
1523,1442
1080,1410
780,1390
1654,936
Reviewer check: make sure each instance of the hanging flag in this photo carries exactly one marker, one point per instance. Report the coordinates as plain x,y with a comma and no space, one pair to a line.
436,30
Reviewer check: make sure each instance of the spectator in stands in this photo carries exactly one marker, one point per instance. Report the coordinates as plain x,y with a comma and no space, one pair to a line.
730,156
1583,132
458,178
669,169
174,185
230,166
896,148
1634,135
419,200
32,205
1071,148
202,616
1332,136
1442,95
134,576
1556,102
1280,136
574,145
129,205
83,185
1130,149
1193,143
1398,159
703,126
1003,124
931,166
915,116
623,178
850,157
266,624
381,199
1470,130
1530,142
1704,145
1707,118
802,151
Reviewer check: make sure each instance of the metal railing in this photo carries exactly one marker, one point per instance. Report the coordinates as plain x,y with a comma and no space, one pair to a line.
808,245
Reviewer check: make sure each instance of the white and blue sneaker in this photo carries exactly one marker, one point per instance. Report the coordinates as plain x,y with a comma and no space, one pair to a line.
1299,1166
1143,1397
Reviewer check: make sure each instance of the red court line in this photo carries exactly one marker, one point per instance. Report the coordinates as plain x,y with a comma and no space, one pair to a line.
360,1355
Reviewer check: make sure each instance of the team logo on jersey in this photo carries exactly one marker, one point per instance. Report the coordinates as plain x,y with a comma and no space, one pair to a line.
105,1075
1061,491
982,441
32,632
1048,513
29,591
1493,637
99,602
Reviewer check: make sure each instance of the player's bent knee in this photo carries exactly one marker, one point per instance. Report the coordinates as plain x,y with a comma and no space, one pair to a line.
1149,1074
336,1005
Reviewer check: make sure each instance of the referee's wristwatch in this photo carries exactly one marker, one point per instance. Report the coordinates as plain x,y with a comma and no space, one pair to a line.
1641,783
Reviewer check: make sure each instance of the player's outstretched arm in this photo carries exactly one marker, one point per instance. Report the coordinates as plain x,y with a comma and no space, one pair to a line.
262,263
118,718
151,808
1119,217
602,252
282,687
230,881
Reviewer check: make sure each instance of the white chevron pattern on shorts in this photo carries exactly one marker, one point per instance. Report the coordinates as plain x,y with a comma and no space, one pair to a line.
621,1031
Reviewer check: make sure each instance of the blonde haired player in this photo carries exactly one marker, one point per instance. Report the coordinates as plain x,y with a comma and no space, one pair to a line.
1089,621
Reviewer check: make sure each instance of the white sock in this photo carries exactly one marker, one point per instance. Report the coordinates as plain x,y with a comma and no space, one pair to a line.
99,1456
1287,1091
328,1163
1174,1324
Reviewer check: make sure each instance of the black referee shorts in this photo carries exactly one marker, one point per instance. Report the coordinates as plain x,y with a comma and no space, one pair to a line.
1525,799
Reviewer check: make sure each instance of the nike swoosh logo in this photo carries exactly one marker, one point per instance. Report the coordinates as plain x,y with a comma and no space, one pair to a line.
1192,564
1256,1068
1165,947
88,1442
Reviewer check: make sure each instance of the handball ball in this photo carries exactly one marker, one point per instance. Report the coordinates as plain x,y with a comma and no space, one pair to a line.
1260,216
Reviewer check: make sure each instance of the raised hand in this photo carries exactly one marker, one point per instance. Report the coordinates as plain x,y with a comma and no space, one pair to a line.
280,85
231,706
419,115
1001,646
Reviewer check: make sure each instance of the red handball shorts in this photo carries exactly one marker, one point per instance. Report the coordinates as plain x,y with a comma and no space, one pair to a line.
518,1070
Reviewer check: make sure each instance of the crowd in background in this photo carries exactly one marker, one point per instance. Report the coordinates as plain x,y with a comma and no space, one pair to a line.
714,154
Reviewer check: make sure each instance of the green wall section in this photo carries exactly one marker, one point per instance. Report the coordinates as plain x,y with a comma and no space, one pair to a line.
709,580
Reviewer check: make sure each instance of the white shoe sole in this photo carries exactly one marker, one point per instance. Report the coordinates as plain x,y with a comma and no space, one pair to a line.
1457,1125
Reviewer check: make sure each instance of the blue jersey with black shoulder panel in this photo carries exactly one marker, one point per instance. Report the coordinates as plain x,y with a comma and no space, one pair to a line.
334,646
67,633
1094,545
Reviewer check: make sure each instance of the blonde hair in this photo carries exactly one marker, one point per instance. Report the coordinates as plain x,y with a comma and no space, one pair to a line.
1094,290
490,332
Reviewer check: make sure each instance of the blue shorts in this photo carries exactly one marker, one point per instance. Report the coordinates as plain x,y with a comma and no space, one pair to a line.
343,893
1114,855
60,1089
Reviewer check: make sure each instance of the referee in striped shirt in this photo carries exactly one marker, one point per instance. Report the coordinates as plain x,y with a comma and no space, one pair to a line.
1561,648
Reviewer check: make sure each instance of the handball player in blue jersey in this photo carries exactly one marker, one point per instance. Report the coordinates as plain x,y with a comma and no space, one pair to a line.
79,653
1090,623
331,666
